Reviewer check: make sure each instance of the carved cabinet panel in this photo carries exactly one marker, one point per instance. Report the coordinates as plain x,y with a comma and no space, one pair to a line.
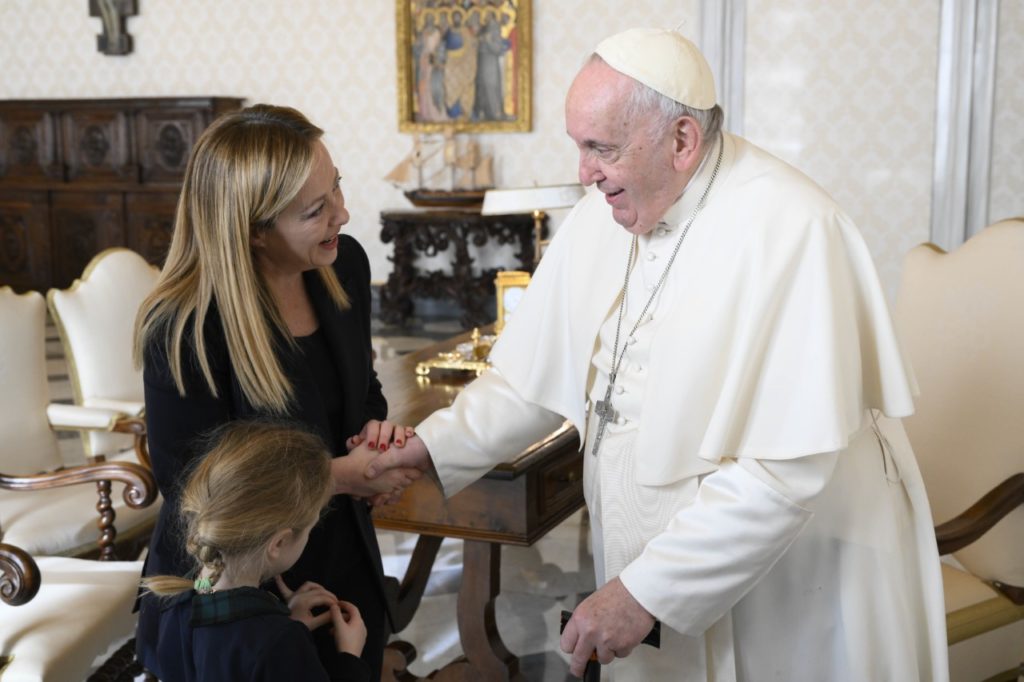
97,147
28,147
83,224
79,176
150,223
165,138
25,256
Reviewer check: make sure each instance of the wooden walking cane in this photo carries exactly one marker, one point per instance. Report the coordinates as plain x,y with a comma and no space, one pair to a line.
592,672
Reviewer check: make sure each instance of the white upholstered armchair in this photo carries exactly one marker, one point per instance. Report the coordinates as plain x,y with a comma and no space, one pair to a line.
95,318
58,613
76,521
961,316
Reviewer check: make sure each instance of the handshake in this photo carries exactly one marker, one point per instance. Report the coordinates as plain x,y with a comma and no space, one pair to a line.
383,460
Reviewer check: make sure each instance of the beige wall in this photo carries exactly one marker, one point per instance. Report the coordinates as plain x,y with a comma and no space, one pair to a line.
845,90
332,59
1006,188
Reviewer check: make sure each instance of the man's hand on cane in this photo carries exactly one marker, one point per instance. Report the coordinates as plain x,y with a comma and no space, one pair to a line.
609,622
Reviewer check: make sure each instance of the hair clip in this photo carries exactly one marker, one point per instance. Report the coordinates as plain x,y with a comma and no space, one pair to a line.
203,586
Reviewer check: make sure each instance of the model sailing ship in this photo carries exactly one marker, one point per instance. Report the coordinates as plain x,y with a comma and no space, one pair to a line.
441,171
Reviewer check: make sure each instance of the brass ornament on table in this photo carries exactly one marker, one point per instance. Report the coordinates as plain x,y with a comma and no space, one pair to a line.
467,357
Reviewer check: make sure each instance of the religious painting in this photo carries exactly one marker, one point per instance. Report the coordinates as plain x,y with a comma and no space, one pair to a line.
464,65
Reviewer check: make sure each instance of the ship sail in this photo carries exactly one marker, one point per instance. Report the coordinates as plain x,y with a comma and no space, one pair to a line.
441,171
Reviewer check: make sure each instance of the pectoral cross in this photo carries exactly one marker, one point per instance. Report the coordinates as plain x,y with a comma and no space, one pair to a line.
605,413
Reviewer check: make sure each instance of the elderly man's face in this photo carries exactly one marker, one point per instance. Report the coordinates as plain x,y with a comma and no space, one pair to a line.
629,160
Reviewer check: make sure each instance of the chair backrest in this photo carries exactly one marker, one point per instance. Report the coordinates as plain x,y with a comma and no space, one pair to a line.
961,316
95,318
27,445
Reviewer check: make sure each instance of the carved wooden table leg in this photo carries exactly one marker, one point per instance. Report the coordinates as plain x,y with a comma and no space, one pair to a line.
469,291
396,295
481,643
410,592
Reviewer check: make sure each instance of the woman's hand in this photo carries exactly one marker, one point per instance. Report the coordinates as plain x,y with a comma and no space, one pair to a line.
350,477
302,601
349,629
415,457
378,435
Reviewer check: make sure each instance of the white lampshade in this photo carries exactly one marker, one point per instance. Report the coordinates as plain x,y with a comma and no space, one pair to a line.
528,199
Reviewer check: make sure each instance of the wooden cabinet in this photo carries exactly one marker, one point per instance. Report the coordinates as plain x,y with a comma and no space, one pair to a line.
80,176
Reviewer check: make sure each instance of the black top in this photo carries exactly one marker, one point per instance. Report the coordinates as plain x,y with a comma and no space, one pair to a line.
242,634
342,552
318,358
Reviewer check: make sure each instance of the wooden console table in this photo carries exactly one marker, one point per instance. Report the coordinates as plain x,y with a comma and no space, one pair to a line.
516,503
428,233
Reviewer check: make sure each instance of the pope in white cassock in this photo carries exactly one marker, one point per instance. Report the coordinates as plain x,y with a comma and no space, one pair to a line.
730,361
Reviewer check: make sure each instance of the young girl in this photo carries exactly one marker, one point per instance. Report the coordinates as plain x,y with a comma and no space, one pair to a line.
246,513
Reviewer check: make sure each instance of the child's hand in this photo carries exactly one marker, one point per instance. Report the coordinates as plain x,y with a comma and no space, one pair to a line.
302,601
349,629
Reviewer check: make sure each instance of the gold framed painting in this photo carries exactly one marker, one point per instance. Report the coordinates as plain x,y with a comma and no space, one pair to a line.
464,65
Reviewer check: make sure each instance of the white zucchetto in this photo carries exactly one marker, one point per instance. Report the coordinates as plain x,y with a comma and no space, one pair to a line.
664,61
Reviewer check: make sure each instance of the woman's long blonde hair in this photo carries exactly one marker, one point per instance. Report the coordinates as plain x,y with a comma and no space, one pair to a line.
242,173
257,479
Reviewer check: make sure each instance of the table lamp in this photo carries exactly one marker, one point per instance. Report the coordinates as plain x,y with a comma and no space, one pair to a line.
531,199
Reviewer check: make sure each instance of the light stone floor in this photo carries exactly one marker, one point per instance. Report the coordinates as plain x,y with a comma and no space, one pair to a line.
537,582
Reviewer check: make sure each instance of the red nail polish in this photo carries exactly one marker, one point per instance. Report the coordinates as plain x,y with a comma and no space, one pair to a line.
372,444
400,443
383,447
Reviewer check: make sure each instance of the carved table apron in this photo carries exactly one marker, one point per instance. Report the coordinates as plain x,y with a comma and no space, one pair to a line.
428,233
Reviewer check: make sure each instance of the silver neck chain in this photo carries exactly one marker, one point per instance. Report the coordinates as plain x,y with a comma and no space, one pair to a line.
616,363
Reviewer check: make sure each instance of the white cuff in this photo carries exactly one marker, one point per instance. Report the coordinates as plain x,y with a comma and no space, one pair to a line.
486,425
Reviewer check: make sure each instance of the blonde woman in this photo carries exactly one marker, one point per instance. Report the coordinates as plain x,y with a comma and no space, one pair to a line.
242,529
262,310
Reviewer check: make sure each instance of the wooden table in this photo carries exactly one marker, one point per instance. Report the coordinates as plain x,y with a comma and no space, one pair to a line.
515,503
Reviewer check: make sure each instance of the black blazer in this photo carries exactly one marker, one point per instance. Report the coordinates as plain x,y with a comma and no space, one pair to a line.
342,553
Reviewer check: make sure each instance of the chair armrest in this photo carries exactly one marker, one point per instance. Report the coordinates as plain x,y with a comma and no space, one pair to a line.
137,427
140,485
95,418
962,530
131,408
19,575
80,417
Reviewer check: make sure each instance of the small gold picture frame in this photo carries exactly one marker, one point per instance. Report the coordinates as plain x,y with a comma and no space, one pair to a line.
464,65
509,285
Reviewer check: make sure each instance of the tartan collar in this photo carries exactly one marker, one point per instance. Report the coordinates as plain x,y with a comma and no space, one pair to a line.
233,604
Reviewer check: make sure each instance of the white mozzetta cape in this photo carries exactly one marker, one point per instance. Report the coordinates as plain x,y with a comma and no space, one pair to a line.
778,343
